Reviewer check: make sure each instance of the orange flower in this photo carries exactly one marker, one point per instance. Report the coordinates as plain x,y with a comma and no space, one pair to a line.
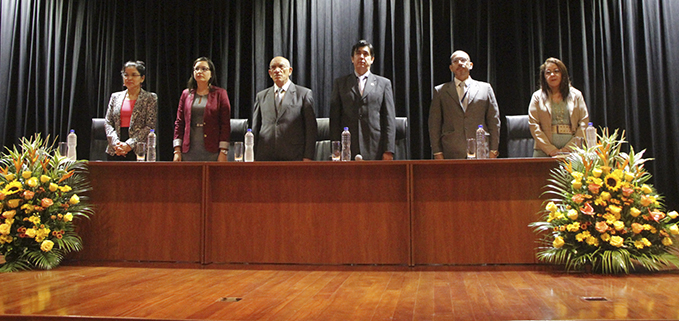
627,191
601,227
587,209
578,198
46,202
594,188
657,215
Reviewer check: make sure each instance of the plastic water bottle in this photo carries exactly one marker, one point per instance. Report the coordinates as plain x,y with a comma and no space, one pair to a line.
590,135
249,154
346,145
151,146
72,142
481,143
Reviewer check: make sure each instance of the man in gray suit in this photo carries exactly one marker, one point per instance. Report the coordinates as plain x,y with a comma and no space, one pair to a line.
457,110
283,120
364,102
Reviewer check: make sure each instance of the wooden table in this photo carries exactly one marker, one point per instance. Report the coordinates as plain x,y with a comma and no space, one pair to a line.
388,213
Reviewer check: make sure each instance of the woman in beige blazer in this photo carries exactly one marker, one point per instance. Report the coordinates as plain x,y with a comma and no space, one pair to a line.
557,113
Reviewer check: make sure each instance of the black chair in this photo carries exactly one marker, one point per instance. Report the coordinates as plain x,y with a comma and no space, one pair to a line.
238,129
402,151
98,140
323,148
520,142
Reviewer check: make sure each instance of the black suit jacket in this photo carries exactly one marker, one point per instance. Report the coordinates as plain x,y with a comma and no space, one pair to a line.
287,134
371,117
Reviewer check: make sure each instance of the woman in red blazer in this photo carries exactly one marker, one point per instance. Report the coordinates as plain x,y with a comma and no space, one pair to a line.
202,128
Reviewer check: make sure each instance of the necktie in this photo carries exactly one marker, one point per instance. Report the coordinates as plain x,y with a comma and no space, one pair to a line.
279,97
360,85
462,92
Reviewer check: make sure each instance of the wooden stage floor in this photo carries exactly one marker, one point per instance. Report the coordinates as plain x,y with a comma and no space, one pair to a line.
251,292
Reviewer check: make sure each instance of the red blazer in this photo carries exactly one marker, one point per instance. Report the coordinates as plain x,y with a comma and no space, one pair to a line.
217,120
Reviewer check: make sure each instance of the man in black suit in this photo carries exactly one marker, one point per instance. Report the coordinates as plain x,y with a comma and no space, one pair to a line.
283,120
364,103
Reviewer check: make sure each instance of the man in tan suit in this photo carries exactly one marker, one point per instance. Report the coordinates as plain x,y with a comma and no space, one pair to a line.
458,108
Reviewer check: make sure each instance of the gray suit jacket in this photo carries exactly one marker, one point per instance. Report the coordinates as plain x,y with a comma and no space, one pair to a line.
288,134
371,118
450,125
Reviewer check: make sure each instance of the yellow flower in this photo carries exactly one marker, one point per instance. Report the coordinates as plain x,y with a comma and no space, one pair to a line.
65,188
582,236
673,214
674,229
551,207
14,203
617,241
558,242
10,177
605,196
74,199
637,228
5,229
9,214
639,244
26,174
44,179
597,172
666,241
615,210
629,176
574,227
572,214
32,182
34,219
646,242
591,240
12,187
68,217
53,187
634,212
610,218
576,184
605,237
618,225
31,232
46,245
612,182
646,189
577,175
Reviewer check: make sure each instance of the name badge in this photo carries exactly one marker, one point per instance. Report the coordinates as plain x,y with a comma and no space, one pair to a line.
563,129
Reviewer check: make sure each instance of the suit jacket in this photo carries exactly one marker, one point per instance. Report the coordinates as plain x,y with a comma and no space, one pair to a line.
286,134
540,118
217,120
370,117
144,118
450,125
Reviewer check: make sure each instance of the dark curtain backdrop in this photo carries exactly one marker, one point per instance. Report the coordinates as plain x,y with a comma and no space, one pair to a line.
60,59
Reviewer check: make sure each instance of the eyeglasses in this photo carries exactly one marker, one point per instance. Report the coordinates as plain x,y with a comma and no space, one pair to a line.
460,60
203,69
126,75
550,72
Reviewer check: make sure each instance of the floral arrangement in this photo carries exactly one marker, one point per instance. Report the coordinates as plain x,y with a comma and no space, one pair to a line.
39,199
605,216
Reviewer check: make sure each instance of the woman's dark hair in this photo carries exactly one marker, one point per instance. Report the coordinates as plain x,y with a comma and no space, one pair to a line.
141,67
565,85
191,85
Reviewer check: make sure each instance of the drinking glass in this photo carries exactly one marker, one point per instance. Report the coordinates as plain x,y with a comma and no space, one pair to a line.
336,150
471,148
238,151
140,151
63,148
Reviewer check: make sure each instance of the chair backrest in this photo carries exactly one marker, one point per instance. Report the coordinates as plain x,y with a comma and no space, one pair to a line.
238,129
519,138
323,148
402,151
98,140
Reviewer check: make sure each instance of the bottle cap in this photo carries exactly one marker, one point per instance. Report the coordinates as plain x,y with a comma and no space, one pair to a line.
249,129
72,130
346,128
153,130
590,123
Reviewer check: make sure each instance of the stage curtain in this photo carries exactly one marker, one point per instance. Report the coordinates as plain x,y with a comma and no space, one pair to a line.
60,59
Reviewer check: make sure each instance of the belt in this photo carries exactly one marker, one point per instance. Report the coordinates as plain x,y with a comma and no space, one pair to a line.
562,129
